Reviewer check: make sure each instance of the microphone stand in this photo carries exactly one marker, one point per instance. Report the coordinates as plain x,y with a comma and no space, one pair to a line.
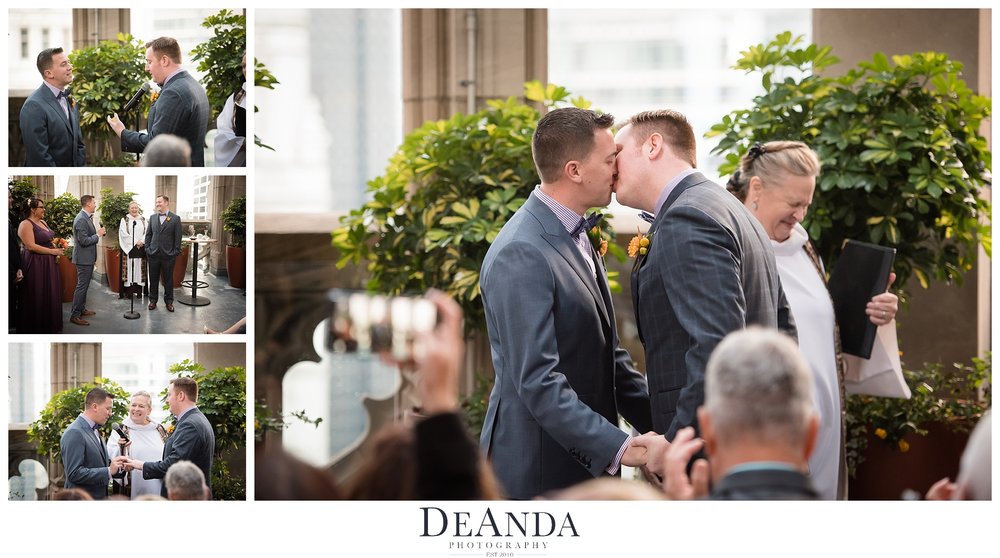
131,314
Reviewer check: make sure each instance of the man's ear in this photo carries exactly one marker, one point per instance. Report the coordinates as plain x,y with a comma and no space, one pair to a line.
707,431
654,146
812,433
571,170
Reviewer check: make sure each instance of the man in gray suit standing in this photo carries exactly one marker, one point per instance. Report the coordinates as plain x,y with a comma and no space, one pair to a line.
192,438
86,237
84,455
163,244
180,109
561,378
709,268
49,121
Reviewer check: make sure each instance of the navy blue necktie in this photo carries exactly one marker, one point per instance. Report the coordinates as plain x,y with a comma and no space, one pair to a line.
586,223
647,217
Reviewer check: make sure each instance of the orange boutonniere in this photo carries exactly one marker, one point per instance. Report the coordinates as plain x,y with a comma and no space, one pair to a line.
639,245
599,243
168,217
170,429
153,97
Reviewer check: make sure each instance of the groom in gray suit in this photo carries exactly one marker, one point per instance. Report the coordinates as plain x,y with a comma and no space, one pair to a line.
192,438
163,244
561,378
709,268
49,120
180,109
86,237
84,455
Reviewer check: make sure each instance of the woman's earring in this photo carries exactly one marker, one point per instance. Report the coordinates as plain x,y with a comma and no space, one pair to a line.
755,206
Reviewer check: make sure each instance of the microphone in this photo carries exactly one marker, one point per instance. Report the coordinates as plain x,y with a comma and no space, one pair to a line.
136,98
121,433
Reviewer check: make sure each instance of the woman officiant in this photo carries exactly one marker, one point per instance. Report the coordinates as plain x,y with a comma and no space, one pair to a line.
133,273
147,438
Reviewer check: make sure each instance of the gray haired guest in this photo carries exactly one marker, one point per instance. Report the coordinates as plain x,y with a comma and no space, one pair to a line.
166,150
185,481
758,422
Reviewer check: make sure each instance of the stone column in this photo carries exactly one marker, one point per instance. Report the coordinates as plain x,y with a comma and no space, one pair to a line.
74,364
510,48
944,323
215,355
92,25
223,190
167,185
46,186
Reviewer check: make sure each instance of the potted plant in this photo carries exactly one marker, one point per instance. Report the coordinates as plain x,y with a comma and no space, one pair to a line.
234,220
61,410
904,164
60,214
448,190
222,397
181,262
887,435
98,96
113,208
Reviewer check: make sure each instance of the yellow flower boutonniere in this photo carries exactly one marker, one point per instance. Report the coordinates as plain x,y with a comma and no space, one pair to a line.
639,245
154,97
168,217
170,429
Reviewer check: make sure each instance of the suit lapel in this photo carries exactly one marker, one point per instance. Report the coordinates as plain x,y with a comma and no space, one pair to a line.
53,103
555,234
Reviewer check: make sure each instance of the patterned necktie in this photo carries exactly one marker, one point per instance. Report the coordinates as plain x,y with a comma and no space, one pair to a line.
647,217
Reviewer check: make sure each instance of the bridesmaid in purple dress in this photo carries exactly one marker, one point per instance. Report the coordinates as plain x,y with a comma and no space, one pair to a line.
41,303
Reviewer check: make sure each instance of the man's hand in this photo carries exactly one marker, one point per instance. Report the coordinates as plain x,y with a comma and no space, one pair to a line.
101,231
118,463
441,358
134,464
116,124
656,451
124,444
20,276
676,484
635,455
943,489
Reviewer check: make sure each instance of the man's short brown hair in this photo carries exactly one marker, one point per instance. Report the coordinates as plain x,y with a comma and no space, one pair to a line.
167,46
96,396
564,135
673,126
188,386
44,60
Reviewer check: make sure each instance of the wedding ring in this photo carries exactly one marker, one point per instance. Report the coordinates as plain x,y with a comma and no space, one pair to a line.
883,314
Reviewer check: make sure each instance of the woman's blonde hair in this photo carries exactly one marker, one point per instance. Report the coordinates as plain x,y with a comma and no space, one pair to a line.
767,161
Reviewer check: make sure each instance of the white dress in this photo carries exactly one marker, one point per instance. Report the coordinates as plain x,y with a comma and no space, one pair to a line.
227,143
146,446
812,310
125,235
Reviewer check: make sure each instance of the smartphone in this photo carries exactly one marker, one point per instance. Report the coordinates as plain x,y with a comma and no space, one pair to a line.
363,322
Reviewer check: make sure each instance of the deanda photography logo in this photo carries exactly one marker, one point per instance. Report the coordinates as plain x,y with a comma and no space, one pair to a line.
495,533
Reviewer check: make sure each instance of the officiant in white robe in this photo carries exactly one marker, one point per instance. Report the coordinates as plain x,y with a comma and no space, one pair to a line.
132,232
147,437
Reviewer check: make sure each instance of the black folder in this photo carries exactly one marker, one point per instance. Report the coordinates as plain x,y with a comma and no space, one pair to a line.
137,252
861,273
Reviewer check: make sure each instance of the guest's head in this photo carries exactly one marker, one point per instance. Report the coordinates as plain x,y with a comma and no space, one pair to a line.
141,406
607,488
389,468
163,57
280,476
574,153
55,67
133,208
182,395
776,181
98,405
185,481
655,146
72,494
167,150
88,203
758,402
